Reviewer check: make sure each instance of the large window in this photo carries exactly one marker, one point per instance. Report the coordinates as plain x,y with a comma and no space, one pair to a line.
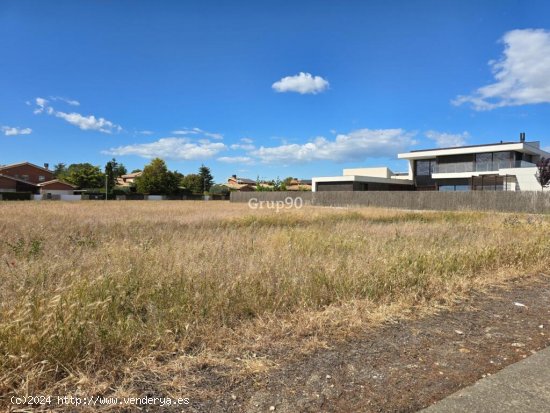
447,185
484,162
493,161
425,167
490,183
455,163
423,175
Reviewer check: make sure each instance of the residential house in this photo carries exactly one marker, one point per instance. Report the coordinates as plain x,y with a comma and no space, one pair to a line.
240,184
299,185
504,166
364,179
27,177
128,179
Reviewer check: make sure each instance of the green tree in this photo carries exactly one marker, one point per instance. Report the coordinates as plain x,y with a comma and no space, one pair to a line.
263,188
113,170
135,171
59,170
219,190
84,175
110,174
206,177
277,185
193,183
156,179
121,170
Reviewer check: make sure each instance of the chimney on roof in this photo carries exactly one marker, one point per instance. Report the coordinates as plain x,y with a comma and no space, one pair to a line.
234,176
46,166
522,137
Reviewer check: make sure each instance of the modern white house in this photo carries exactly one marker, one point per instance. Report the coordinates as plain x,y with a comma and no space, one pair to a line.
364,179
504,166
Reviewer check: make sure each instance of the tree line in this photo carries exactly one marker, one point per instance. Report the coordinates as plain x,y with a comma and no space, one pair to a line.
155,178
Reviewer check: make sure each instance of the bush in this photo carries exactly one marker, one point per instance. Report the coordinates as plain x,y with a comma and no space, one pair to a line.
219,190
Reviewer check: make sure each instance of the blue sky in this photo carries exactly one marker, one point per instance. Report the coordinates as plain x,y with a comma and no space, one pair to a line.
268,88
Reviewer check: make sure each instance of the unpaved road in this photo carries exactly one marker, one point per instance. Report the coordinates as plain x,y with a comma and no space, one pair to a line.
402,366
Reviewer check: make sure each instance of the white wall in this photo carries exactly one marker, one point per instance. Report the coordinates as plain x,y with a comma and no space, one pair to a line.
71,197
526,177
380,172
56,191
63,197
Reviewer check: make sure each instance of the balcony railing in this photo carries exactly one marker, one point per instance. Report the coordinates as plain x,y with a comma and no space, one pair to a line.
447,168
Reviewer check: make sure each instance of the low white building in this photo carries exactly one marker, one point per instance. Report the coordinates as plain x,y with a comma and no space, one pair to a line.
364,179
504,166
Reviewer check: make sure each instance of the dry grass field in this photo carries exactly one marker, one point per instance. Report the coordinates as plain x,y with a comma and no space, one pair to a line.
102,298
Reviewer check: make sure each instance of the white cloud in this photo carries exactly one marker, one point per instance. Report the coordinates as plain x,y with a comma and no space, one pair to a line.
83,122
145,132
354,146
71,102
302,83
243,146
89,122
522,75
246,144
446,140
172,148
197,131
14,131
235,159
42,105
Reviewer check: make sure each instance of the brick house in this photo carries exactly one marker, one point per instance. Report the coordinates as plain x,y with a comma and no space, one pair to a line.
27,177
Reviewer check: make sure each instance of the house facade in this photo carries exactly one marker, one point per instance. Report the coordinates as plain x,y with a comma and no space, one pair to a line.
28,172
236,183
504,166
27,177
128,180
364,179
299,185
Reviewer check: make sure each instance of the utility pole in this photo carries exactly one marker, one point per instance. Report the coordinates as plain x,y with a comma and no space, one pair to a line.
106,185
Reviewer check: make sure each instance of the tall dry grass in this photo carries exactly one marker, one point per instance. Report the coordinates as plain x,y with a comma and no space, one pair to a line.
95,287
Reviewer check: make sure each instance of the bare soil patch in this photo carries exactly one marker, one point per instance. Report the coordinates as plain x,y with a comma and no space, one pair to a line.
404,365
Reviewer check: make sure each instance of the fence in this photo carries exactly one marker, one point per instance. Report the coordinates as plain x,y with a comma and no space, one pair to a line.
532,202
15,196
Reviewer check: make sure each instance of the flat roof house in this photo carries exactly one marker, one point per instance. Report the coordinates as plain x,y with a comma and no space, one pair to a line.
504,166
364,179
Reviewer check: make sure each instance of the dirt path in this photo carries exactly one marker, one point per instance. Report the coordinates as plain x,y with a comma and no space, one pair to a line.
404,366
